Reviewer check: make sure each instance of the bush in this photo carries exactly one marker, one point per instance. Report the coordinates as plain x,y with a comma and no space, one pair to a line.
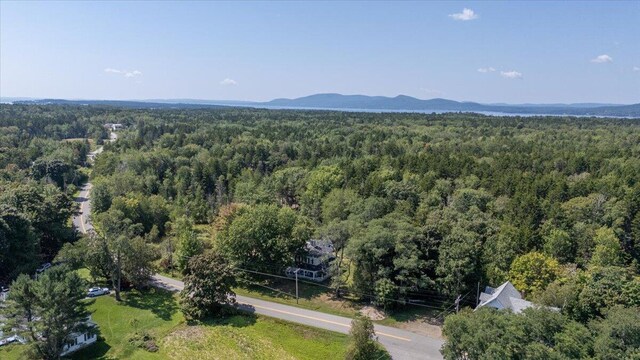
143,340
362,346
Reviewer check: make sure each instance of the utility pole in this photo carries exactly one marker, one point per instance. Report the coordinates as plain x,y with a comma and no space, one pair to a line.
478,295
297,285
458,303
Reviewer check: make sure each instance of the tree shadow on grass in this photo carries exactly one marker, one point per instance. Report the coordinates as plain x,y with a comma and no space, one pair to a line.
242,317
97,350
381,353
160,302
414,313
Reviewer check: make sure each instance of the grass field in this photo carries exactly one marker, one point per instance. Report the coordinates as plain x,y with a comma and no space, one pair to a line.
238,337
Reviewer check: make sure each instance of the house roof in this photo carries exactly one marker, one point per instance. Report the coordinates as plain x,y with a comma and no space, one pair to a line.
318,248
506,296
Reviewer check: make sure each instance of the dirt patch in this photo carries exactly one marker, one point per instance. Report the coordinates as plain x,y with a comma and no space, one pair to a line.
422,327
191,333
335,303
372,313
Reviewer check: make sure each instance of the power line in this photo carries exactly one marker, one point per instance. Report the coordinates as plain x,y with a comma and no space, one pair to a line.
451,307
440,296
403,302
370,296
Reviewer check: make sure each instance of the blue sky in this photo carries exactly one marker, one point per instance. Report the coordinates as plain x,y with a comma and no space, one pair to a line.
515,52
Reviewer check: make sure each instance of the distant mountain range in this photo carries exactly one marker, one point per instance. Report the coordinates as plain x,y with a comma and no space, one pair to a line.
403,102
367,103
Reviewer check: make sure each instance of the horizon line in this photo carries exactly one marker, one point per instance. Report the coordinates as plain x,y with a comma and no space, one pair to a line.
178,99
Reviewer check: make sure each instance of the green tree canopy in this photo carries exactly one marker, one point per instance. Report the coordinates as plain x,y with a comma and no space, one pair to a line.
264,237
532,272
207,286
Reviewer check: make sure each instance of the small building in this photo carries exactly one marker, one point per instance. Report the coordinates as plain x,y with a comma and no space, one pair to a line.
113,127
314,262
10,335
6,339
506,296
78,341
75,342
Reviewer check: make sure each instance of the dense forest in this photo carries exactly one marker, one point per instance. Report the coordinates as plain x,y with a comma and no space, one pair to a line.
416,205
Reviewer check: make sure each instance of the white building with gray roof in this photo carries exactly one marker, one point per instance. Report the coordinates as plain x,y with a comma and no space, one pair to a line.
506,296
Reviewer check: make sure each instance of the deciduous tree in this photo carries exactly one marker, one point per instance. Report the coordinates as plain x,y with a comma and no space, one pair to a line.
532,272
208,286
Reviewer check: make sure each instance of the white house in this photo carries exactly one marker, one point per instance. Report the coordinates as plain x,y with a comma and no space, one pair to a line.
312,265
79,340
76,341
504,297
113,127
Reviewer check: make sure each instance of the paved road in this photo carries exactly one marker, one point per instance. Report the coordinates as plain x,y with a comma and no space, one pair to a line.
81,221
401,344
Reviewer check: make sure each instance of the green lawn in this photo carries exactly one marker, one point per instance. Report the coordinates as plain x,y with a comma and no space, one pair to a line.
10,352
237,337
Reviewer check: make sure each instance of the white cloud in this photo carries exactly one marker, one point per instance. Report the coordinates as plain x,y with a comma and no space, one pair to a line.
511,74
636,68
465,15
133,73
228,82
125,73
604,58
486,70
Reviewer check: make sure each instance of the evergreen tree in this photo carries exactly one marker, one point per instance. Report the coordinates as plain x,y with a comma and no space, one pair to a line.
362,345
49,310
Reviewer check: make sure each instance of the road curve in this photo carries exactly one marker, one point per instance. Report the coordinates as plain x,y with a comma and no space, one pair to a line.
401,344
